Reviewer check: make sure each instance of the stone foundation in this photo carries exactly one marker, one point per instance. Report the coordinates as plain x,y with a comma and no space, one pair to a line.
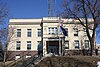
11,55
77,52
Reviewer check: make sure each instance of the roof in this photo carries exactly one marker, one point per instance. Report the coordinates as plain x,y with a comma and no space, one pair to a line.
24,21
45,19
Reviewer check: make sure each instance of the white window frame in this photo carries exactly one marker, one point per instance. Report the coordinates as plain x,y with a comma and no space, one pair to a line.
17,57
66,44
39,33
53,30
18,45
18,32
28,56
75,31
86,44
29,44
76,43
29,32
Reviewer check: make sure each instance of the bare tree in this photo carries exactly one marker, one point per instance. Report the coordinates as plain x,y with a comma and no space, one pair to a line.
3,12
6,37
3,16
3,24
86,9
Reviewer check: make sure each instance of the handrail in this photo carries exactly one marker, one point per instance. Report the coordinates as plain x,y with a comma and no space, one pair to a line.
26,61
32,60
17,59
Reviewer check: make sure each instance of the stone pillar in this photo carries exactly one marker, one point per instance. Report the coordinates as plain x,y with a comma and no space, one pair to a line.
44,48
63,45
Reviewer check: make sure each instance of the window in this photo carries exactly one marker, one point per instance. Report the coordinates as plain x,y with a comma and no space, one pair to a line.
76,43
28,45
84,29
86,44
39,33
29,32
18,32
67,44
53,30
75,31
18,44
17,56
28,55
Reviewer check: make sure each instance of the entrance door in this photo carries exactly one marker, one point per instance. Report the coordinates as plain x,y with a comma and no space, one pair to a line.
53,47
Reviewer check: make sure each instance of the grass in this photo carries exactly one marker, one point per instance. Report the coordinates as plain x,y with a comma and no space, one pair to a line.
69,61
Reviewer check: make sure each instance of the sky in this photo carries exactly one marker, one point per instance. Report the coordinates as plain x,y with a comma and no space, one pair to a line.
31,9
28,8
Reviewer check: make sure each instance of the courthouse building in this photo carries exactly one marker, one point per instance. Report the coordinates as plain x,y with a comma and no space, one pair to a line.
31,35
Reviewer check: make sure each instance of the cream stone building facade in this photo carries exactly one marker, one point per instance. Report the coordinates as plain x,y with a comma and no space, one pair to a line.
25,39
30,33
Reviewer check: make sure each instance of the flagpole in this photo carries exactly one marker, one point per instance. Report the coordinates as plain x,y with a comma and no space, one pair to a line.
59,38
61,29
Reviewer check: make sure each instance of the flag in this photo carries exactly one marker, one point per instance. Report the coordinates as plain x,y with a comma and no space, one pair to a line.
60,24
64,31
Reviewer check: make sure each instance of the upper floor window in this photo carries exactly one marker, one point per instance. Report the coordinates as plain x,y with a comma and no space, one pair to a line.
75,31
29,32
67,44
18,32
76,43
28,45
84,30
18,45
39,33
53,30
86,42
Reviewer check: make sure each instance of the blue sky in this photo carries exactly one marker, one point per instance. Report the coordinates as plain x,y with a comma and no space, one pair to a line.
31,9
28,8
98,36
